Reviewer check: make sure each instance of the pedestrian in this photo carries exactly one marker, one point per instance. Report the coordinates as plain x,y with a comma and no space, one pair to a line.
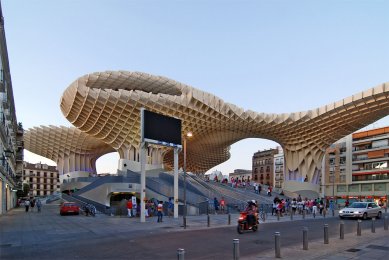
39,205
222,205
27,205
129,208
32,204
294,206
160,208
216,204
170,208
134,209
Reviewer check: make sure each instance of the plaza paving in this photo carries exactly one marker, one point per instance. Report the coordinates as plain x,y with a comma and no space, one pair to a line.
21,231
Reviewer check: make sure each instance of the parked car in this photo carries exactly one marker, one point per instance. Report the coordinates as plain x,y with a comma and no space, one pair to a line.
69,208
362,210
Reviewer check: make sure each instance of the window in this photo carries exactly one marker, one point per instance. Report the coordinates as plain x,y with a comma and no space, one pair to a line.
380,143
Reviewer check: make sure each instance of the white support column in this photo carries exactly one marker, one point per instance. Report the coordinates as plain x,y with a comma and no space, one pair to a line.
142,182
176,182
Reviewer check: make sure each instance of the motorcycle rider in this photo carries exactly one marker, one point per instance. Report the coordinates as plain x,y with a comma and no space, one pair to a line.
251,209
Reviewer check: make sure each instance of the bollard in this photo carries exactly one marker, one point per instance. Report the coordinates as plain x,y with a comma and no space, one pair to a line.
326,234
386,209
386,223
303,214
373,225
235,251
229,219
277,240
324,212
184,222
291,215
359,231
341,229
305,238
333,213
208,221
180,254
278,215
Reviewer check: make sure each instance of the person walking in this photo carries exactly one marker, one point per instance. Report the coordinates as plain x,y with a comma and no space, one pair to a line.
222,205
27,205
170,208
39,205
129,208
32,204
216,205
160,208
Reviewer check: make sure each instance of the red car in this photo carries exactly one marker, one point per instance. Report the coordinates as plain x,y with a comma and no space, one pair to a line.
69,208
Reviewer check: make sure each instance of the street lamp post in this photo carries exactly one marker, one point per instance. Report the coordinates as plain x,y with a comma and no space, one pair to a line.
189,134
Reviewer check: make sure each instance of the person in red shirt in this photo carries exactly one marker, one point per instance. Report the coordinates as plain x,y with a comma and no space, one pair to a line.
222,205
129,208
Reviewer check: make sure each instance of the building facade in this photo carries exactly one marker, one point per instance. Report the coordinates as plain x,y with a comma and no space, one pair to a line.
356,167
11,133
279,169
263,166
42,179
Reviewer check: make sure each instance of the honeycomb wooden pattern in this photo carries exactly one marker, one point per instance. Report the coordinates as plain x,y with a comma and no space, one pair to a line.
106,105
70,148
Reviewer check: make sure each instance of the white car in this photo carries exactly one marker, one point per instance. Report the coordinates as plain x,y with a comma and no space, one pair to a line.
362,210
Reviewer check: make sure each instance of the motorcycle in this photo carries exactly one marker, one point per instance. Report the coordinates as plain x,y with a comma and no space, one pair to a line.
243,224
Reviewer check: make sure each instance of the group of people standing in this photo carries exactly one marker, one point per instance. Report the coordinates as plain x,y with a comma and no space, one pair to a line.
32,203
153,207
299,206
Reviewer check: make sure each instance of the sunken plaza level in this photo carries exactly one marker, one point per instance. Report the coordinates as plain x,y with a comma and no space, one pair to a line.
105,107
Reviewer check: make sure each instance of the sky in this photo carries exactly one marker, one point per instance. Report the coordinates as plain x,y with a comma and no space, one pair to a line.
266,56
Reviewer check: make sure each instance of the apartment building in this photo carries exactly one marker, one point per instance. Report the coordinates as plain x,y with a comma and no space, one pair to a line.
279,169
356,167
42,179
337,168
263,166
11,133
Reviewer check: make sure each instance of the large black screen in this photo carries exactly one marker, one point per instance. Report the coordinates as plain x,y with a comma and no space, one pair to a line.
161,128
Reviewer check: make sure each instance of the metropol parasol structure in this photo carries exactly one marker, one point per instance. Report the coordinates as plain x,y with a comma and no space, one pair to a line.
104,108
